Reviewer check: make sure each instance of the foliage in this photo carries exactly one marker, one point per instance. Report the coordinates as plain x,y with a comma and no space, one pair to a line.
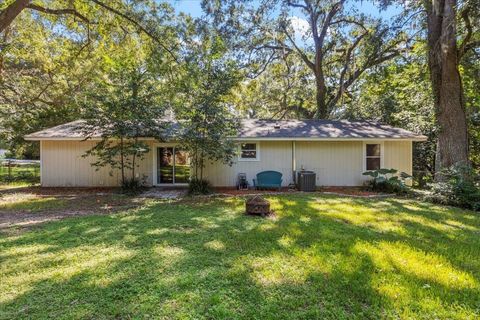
387,180
206,119
50,62
460,186
357,258
470,71
335,41
399,94
122,109
197,186
133,184
284,90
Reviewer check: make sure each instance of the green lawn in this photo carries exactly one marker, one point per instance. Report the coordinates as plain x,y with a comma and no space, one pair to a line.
320,257
19,176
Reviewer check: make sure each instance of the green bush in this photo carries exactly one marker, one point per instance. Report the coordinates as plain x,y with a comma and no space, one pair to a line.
422,178
387,180
198,186
459,187
133,185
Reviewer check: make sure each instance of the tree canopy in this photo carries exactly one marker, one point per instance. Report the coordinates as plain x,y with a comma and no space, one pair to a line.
275,59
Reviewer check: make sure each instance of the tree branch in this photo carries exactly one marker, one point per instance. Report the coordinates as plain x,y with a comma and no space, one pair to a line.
341,87
11,12
302,54
472,45
328,21
138,25
468,25
296,5
58,11
351,21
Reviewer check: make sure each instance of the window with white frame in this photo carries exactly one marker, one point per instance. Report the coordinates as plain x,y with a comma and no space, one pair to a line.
373,156
249,151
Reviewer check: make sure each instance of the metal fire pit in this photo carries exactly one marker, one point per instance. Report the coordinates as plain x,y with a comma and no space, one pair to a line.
257,206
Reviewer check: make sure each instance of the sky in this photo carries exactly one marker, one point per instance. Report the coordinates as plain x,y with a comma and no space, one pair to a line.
193,8
297,18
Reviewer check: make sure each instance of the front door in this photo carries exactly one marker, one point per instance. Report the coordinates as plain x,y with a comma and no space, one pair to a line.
173,166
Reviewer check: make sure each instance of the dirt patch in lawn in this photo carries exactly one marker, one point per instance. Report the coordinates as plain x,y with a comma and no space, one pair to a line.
26,207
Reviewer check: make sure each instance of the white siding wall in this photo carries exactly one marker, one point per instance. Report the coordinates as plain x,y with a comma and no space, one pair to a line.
274,155
337,163
398,155
64,166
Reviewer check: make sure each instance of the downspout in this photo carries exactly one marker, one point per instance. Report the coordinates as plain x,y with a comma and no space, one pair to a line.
294,162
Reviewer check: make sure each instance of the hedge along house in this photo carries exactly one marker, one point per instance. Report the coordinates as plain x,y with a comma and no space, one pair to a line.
337,151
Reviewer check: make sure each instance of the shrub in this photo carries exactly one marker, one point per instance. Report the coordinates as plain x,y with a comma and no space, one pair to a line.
422,178
199,186
133,185
459,187
387,180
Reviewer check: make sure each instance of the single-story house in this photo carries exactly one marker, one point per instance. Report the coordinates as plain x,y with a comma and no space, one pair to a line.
337,151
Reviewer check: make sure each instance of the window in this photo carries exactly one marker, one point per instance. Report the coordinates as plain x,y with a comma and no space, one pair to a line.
373,153
249,151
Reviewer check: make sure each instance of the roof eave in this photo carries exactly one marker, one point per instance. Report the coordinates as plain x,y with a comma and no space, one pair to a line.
416,138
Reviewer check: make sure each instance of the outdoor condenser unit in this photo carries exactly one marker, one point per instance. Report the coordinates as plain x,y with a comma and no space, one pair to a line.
306,181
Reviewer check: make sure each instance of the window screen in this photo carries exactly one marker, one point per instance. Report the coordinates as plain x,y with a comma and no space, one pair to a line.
248,151
373,156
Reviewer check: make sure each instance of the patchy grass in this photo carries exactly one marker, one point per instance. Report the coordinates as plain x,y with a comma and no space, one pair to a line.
25,207
320,257
30,202
15,185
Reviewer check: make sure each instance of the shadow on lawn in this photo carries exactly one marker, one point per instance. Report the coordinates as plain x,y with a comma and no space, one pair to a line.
207,260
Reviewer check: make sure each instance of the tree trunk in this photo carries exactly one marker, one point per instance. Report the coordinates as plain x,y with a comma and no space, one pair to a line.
446,83
11,12
322,112
134,157
122,162
201,165
2,53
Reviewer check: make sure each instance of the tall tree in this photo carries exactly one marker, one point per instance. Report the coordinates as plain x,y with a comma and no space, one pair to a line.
125,106
338,43
444,54
452,32
49,62
207,119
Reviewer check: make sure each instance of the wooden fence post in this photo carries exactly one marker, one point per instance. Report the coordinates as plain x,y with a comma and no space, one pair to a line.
9,164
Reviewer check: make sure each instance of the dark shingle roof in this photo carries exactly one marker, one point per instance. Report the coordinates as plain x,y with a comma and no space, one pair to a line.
322,129
70,130
271,129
